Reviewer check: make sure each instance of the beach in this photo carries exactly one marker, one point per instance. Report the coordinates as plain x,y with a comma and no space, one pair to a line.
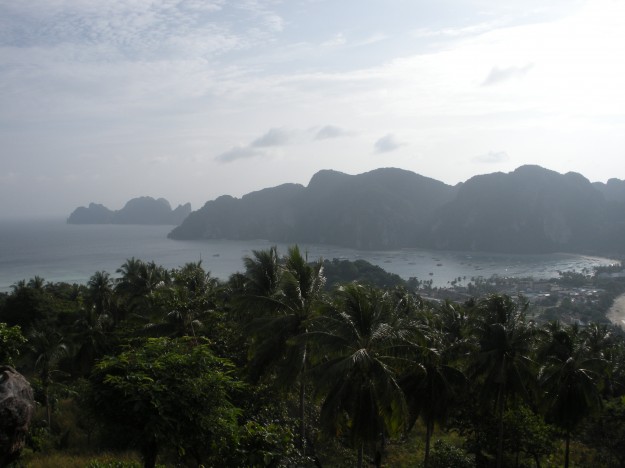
616,314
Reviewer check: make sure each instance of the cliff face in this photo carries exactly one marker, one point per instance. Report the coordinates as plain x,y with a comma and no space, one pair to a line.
530,210
142,210
93,214
613,190
382,209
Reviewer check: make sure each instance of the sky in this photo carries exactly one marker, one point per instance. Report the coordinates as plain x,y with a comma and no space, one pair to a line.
106,100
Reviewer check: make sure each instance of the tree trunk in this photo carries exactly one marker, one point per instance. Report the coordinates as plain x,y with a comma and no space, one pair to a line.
302,415
360,454
428,436
46,401
150,452
566,449
500,404
302,403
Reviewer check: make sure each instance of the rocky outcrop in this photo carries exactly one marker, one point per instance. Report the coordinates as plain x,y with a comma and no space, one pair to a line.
529,210
613,190
141,210
16,411
95,213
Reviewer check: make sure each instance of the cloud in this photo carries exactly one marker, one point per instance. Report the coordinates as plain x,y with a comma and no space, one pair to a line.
492,157
330,131
375,38
473,29
340,40
156,159
8,177
118,30
387,144
499,75
238,152
274,137
269,18
336,41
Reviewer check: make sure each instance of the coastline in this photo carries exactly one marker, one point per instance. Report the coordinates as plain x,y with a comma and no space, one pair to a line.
616,314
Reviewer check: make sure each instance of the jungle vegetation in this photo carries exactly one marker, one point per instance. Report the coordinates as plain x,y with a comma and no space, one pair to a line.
274,368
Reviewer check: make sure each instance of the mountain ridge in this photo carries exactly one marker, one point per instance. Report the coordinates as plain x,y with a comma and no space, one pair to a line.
528,210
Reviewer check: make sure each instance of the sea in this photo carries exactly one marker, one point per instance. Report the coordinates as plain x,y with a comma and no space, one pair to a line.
61,252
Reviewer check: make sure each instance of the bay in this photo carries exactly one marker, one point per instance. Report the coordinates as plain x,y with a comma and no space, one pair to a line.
57,251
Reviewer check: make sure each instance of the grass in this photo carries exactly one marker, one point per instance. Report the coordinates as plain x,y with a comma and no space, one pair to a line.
65,460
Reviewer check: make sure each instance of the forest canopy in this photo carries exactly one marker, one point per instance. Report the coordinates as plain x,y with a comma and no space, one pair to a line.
280,366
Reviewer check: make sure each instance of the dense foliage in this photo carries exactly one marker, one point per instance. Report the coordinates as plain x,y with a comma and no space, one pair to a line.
167,392
273,368
11,340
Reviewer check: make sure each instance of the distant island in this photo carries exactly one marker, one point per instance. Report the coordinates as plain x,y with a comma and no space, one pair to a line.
529,210
141,210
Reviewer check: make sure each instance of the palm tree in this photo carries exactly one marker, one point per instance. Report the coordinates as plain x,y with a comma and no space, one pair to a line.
598,338
503,360
48,347
138,282
357,338
599,342
186,301
28,304
454,321
18,286
262,273
101,292
128,285
252,292
37,282
431,384
287,305
301,289
91,339
570,380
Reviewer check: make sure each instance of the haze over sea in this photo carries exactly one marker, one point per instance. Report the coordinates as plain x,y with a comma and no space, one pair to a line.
57,251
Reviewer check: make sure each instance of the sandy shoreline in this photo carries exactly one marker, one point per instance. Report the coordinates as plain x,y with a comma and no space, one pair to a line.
616,314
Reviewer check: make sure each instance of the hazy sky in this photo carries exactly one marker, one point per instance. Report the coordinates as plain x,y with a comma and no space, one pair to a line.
106,100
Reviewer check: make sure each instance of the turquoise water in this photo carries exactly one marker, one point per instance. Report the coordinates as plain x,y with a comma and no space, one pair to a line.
58,251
